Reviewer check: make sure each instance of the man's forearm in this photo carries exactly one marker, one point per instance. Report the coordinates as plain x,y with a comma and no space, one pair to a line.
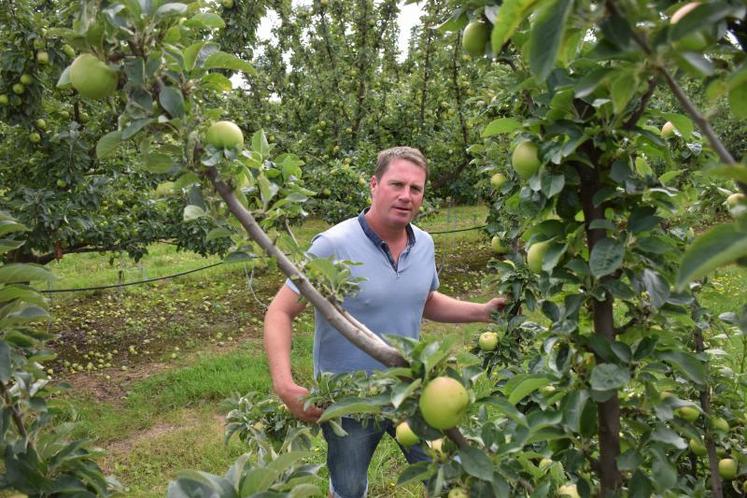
277,340
442,308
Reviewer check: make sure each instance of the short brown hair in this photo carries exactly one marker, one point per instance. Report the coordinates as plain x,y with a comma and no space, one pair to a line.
411,154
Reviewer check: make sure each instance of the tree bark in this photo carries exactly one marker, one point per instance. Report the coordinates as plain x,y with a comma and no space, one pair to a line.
608,412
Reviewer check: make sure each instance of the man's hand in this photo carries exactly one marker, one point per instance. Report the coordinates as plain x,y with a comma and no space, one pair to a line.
292,395
494,305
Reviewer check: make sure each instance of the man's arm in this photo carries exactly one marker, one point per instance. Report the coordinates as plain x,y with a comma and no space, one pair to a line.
284,308
442,308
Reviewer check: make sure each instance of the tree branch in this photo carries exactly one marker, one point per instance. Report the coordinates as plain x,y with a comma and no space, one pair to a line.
360,336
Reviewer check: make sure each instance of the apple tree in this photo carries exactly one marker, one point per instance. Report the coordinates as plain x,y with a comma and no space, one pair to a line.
50,177
599,395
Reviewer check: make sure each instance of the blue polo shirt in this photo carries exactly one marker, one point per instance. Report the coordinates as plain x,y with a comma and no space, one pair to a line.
390,300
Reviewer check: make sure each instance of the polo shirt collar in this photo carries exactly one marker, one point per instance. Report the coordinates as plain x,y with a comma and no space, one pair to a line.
374,237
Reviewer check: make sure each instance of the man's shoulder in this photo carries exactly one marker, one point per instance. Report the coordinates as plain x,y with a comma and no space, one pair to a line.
343,229
340,233
421,234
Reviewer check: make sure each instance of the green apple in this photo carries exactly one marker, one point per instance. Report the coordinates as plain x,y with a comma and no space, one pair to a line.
41,124
497,180
727,468
488,341
719,424
18,88
568,490
26,79
476,35
458,493
405,436
667,130
92,78
524,159
687,413
536,255
697,447
61,183
225,134
228,4
68,50
35,137
497,244
443,403
4,99
42,57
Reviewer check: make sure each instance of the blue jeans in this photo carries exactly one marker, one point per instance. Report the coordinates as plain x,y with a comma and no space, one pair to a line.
348,457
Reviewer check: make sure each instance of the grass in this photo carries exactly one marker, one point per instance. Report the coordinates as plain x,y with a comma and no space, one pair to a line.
156,414
177,348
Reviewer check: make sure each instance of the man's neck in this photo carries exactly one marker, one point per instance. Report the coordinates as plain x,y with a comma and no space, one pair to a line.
390,235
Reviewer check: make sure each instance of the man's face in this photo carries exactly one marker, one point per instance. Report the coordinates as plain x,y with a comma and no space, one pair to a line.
397,197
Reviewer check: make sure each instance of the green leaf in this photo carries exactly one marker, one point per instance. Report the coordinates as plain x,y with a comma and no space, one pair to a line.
606,257
349,407
586,85
738,101
206,20
403,391
656,286
223,60
8,226
172,100
286,461
19,273
190,54
158,163
135,126
622,89
608,376
667,436
416,472
573,406
736,172
256,480
667,177
436,351
107,144
260,144
687,363
512,13
507,409
476,463
721,245
456,22
216,82
521,386
171,9
499,126
546,37
218,233
683,124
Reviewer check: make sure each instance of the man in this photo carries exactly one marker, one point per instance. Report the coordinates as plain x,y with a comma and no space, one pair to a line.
400,289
